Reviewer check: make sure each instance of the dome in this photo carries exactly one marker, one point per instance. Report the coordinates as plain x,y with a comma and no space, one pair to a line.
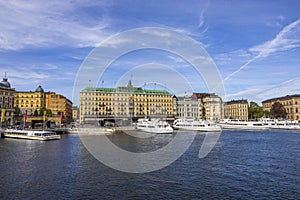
5,83
39,89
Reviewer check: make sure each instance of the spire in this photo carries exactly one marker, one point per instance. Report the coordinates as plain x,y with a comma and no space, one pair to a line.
129,84
5,82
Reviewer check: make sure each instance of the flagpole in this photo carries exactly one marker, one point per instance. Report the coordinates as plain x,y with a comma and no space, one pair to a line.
25,118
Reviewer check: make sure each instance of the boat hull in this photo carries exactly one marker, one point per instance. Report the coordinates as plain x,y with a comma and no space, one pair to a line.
238,127
42,138
157,131
201,129
30,135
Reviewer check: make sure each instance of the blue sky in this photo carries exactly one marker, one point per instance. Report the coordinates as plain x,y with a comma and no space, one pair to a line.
254,44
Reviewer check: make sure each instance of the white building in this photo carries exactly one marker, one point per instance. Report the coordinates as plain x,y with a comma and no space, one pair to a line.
189,107
213,107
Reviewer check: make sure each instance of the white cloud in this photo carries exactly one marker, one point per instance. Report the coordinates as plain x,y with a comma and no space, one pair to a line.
288,38
44,23
265,92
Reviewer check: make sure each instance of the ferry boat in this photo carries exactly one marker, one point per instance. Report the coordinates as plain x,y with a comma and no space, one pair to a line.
196,125
30,134
281,124
286,125
154,126
242,124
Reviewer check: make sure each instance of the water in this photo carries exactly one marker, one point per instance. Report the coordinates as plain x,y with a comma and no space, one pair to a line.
242,165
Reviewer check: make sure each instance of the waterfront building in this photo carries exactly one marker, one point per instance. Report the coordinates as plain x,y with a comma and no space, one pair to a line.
59,106
75,113
236,109
209,106
291,104
189,107
212,107
35,102
32,101
124,104
6,103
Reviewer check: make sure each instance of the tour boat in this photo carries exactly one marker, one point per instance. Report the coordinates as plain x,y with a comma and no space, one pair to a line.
30,134
196,125
154,126
286,125
281,124
242,124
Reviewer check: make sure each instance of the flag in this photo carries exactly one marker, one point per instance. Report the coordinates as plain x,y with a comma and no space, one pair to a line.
25,118
3,115
61,117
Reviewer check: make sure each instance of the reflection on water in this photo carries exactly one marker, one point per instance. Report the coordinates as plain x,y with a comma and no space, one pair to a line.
243,164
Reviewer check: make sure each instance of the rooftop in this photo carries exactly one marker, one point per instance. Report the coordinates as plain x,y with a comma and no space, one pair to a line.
237,101
134,90
287,97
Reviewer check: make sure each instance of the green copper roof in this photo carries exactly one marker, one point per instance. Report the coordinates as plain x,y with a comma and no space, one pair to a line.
135,90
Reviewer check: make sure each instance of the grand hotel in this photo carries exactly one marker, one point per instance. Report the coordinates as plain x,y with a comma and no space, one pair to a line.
123,104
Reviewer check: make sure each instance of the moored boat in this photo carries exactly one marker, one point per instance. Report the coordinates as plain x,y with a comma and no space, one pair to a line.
242,124
154,126
30,134
196,125
281,124
286,125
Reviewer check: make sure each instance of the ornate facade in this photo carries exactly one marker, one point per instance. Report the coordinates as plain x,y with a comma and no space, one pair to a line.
291,104
236,109
35,101
189,107
30,101
6,103
58,104
124,103
212,105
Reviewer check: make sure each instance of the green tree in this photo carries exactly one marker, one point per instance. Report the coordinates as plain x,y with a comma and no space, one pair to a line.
36,113
277,110
48,113
17,111
255,111
41,112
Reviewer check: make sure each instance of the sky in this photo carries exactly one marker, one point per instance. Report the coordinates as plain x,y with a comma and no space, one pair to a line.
254,45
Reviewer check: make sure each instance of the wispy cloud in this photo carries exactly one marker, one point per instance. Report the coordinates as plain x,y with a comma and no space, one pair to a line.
204,7
49,23
287,39
264,92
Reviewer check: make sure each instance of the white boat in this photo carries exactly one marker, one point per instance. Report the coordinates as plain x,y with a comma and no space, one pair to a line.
30,134
286,125
242,124
196,125
281,124
154,126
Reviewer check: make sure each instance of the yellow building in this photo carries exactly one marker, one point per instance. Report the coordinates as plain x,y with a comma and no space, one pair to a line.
236,109
212,105
124,103
291,104
34,101
6,103
30,101
75,113
58,104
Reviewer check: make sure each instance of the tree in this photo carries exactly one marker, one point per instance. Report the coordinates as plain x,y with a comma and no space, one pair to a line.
255,111
277,110
49,113
42,111
17,111
36,113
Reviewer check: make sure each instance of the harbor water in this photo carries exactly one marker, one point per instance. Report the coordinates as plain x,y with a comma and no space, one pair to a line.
242,165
